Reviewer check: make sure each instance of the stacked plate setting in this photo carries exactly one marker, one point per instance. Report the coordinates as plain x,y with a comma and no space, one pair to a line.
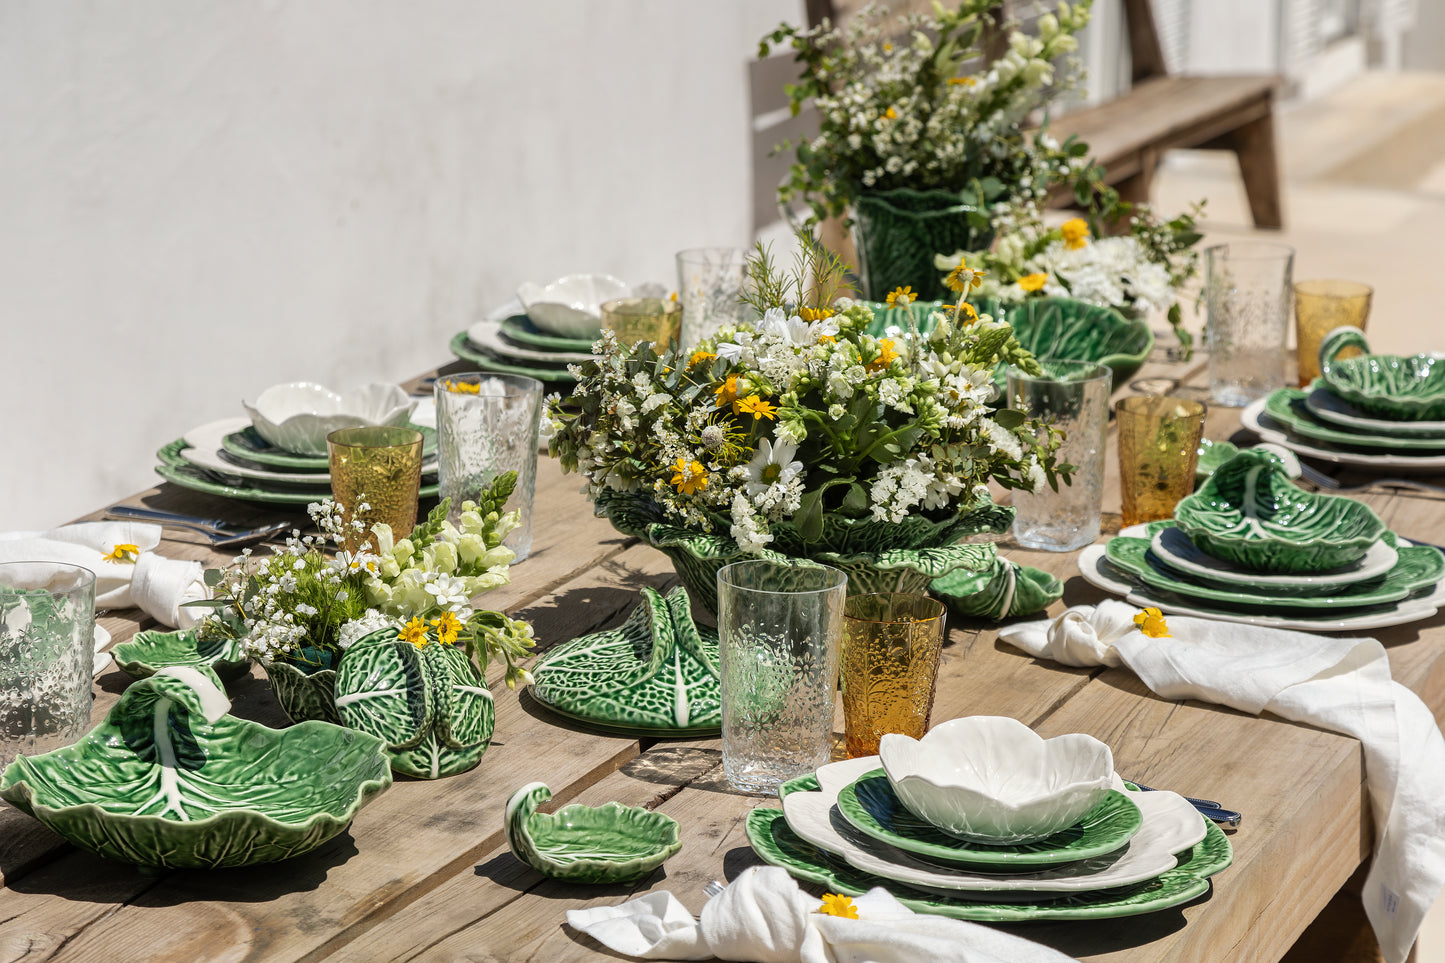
514,344
1384,412
848,828
230,458
1252,547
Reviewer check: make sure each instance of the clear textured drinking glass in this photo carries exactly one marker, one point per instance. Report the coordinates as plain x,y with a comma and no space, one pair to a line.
1247,290
47,655
375,478
779,625
1074,397
488,425
709,283
891,646
1319,308
1158,452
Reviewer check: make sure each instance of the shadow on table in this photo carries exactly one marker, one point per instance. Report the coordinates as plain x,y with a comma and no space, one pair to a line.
1095,937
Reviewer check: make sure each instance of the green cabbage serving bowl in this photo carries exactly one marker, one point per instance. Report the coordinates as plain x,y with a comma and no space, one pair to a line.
611,843
1388,385
1050,328
1249,512
168,779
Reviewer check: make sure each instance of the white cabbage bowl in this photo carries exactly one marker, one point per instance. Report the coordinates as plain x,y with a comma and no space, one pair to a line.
992,779
299,415
571,306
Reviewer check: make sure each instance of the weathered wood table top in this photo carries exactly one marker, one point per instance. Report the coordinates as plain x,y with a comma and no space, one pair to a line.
425,873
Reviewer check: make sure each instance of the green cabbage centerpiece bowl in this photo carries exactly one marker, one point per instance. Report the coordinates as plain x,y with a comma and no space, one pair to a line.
611,843
1249,512
170,780
1390,386
1050,328
149,652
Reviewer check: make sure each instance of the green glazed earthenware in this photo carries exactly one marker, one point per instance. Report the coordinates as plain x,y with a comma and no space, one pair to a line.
169,780
611,843
1388,385
519,329
149,651
175,469
1251,514
900,231
463,348
1416,569
1288,406
1212,454
305,692
656,674
248,444
429,704
778,845
872,807
1005,590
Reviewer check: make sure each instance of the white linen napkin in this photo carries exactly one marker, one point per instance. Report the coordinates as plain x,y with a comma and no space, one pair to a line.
1342,685
764,916
153,583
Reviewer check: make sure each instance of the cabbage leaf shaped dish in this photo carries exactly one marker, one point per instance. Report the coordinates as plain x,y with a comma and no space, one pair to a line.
150,651
1249,512
298,416
168,779
1386,385
992,779
571,306
611,843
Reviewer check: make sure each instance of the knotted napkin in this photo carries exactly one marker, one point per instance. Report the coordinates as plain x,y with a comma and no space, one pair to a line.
156,585
764,916
1342,685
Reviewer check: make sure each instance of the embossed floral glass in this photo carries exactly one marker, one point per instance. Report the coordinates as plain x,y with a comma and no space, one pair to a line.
47,654
779,627
655,320
1074,397
376,476
1158,451
487,425
1319,308
891,645
709,282
1247,289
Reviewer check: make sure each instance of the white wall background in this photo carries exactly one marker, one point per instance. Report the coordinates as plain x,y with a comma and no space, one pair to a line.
198,200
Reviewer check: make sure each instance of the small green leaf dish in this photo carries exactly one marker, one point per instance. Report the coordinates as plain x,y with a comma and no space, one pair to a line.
1391,386
169,780
150,651
1002,591
1251,514
611,843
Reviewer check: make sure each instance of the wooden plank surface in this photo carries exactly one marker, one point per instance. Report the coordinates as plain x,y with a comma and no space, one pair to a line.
424,872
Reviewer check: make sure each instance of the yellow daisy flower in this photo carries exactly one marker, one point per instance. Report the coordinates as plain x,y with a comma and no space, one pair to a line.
836,904
415,632
689,477
462,387
727,392
890,114
1076,233
968,311
886,354
901,297
123,552
758,407
963,278
815,314
1033,282
1151,623
964,81
698,357
448,626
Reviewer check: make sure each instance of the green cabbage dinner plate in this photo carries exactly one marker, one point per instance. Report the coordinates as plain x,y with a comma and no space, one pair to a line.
248,444
1288,407
175,469
463,348
778,845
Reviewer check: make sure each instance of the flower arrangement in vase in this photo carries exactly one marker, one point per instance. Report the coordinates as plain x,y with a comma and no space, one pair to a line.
921,136
803,436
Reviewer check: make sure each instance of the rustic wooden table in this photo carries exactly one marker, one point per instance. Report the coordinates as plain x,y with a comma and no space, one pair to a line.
425,873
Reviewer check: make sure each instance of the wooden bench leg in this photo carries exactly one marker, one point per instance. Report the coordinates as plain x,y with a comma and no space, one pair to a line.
1254,145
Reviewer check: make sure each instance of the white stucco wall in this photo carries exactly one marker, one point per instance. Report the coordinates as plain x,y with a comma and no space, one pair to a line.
198,200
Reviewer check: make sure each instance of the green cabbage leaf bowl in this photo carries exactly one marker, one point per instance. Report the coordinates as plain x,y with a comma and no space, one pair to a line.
169,780
611,843
1403,388
1249,512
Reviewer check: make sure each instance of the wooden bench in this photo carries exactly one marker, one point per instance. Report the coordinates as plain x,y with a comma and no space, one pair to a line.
1128,135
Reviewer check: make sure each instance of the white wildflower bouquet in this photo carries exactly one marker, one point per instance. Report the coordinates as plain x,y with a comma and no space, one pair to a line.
898,110
773,426
1137,272
308,602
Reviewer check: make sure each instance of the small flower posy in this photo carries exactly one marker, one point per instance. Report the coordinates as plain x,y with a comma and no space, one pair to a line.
1151,623
123,552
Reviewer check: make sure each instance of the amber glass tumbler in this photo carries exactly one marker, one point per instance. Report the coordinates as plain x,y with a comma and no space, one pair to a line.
891,646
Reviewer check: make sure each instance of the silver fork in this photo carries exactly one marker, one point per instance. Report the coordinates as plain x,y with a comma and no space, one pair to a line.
714,888
212,529
1320,480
